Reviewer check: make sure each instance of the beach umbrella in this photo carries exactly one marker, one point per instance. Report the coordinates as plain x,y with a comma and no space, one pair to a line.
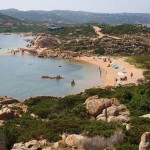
121,74
115,67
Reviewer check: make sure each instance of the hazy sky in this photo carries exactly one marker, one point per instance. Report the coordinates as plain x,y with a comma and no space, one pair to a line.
108,6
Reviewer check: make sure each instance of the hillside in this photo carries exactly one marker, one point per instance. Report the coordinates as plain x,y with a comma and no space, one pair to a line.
5,18
60,16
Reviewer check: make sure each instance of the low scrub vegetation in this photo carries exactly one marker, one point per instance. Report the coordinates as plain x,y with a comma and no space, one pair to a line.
124,29
68,114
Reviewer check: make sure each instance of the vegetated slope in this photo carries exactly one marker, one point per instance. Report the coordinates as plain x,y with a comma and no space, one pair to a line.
69,115
65,16
5,18
36,16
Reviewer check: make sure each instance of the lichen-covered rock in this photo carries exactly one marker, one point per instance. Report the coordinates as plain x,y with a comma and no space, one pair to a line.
122,119
46,41
146,116
101,117
31,145
74,140
95,106
115,101
145,141
111,118
7,100
107,109
111,111
6,113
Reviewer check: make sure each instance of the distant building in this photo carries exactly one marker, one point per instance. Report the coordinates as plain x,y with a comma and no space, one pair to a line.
8,24
55,28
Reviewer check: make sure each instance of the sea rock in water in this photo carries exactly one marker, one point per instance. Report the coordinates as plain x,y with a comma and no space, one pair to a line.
145,141
58,77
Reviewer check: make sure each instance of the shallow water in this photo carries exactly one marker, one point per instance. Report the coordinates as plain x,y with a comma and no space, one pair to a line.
13,41
20,75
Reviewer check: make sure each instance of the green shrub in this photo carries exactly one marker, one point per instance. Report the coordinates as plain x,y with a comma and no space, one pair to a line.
127,147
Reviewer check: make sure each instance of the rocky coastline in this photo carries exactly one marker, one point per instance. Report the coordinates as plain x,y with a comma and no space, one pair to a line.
46,46
105,109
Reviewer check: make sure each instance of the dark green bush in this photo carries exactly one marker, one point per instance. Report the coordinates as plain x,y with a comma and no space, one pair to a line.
127,147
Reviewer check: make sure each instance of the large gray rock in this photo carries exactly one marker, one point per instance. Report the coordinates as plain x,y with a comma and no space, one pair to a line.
145,141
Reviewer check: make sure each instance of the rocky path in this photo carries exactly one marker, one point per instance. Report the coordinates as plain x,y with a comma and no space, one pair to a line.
101,35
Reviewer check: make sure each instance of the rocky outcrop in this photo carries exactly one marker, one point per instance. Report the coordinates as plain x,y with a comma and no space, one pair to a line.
10,109
46,41
145,141
107,109
6,113
74,140
146,116
7,100
31,145
95,106
49,53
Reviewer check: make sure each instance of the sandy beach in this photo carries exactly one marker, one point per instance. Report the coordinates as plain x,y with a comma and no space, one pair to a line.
111,74
4,53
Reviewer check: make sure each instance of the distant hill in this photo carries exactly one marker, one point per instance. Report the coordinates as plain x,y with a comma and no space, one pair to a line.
5,18
62,16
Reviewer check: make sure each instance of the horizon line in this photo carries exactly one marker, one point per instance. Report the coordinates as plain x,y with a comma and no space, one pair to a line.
79,11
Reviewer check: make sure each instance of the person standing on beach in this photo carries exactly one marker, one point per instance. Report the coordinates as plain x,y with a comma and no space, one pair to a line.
131,74
100,71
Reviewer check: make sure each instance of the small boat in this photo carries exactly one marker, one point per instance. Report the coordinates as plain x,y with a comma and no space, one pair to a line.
73,82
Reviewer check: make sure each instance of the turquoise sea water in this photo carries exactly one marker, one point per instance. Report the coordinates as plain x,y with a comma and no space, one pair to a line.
20,76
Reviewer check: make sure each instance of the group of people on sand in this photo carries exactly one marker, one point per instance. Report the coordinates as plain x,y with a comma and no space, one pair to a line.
125,78
13,52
